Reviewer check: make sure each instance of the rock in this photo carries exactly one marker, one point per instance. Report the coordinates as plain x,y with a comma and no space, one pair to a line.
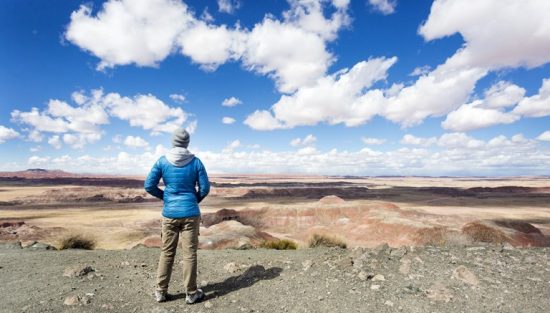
231,267
307,264
77,271
107,306
465,275
378,277
159,310
405,266
375,287
439,292
85,300
208,305
381,248
42,246
388,303
364,275
72,300
399,253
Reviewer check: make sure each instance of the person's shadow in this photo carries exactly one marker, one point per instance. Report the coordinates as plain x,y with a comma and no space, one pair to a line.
251,276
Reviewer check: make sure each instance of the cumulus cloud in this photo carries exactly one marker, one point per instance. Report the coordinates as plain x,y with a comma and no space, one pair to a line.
135,142
161,27
537,105
503,94
155,26
7,134
373,141
228,120
231,102
307,141
474,115
338,98
55,141
384,6
525,24
545,136
81,124
409,139
420,70
228,6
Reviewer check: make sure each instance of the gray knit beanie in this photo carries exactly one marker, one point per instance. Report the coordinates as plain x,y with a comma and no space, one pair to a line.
180,138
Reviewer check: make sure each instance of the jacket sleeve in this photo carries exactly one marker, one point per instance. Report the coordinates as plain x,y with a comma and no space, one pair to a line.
203,183
152,181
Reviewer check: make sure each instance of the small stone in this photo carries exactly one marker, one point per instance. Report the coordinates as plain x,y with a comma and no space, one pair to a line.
77,271
405,266
85,300
364,275
72,300
307,264
465,275
388,303
143,265
375,287
208,305
399,252
320,298
107,306
378,277
231,267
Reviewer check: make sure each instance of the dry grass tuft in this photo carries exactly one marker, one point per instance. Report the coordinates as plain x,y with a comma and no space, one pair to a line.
484,233
283,244
76,241
318,240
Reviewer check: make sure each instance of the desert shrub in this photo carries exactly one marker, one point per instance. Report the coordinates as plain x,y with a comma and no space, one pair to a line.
282,244
76,241
431,236
484,233
318,240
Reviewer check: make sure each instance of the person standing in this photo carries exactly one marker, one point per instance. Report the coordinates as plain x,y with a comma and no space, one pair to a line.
186,185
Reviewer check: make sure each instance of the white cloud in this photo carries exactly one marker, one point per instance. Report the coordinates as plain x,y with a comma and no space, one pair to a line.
409,139
135,142
421,70
160,27
232,146
373,141
537,105
7,134
141,32
118,138
145,111
307,141
78,141
228,120
503,94
384,6
81,124
456,155
263,120
525,24
177,98
544,136
307,151
231,102
474,115
338,98
55,141
192,126
228,6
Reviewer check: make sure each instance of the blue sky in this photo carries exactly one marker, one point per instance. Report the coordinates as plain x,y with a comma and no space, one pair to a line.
370,87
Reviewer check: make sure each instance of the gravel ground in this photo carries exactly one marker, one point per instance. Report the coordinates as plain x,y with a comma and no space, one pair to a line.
428,279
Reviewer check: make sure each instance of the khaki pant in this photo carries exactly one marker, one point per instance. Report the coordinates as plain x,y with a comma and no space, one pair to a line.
171,228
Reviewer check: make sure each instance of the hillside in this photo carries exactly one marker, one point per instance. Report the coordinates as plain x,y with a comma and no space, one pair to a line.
429,279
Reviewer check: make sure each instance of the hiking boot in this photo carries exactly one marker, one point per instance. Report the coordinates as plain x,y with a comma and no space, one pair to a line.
194,297
160,295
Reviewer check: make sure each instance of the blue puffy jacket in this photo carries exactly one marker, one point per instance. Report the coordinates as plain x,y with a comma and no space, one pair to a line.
185,187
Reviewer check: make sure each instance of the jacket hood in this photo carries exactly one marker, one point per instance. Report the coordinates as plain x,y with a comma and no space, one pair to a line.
179,156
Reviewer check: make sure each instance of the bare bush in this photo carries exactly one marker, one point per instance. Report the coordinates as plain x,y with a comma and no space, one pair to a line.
76,241
283,244
318,240
484,233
